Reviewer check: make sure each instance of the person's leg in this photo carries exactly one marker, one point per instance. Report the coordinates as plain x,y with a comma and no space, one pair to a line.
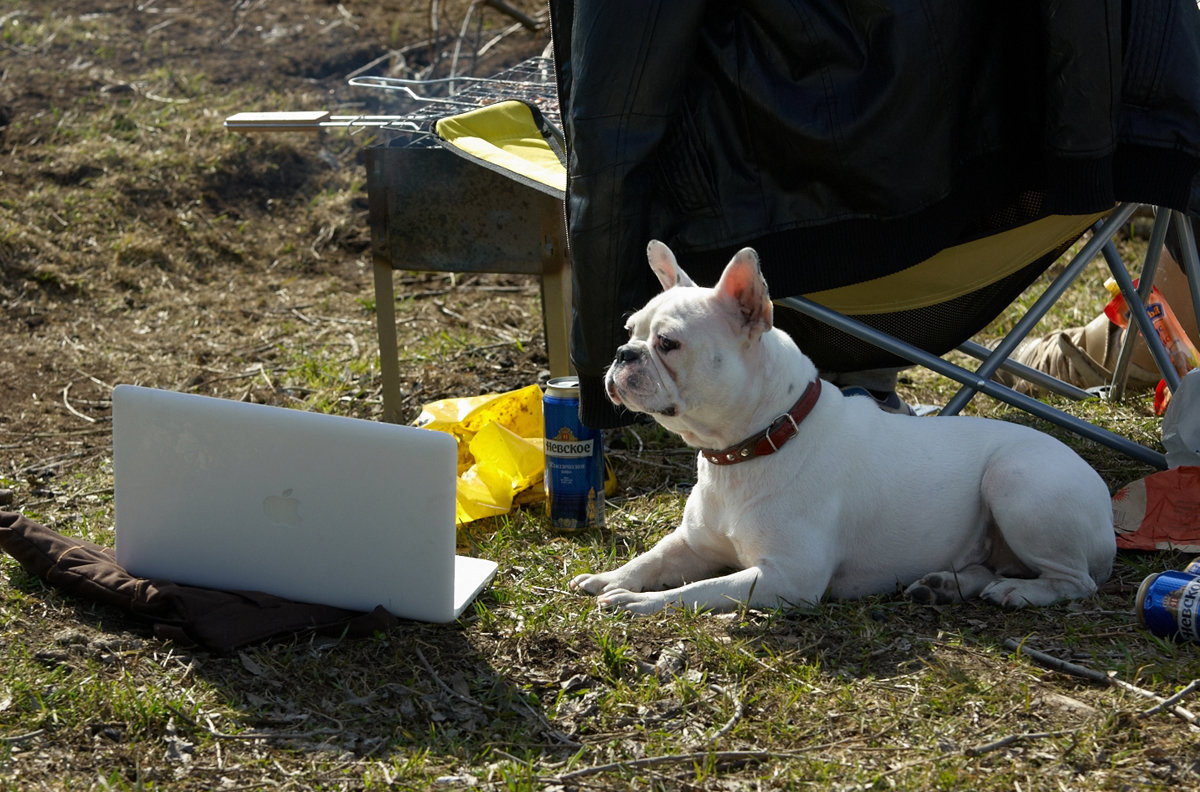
879,384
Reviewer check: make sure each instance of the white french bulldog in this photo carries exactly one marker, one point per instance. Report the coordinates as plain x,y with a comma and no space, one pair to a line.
802,491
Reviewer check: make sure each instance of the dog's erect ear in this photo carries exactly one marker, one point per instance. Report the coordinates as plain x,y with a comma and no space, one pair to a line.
743,285
663,262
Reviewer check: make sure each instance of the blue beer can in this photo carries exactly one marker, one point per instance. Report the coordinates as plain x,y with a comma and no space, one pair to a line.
574,460
1168,604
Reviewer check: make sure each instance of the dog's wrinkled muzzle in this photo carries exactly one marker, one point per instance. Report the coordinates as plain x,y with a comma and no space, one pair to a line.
631,381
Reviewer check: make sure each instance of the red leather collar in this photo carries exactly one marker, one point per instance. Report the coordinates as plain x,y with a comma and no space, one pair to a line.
771,439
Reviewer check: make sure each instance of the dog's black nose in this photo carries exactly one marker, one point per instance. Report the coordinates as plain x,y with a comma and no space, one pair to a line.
628,353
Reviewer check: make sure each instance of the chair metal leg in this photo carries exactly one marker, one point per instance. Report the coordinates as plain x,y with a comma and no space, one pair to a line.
1140,324
389,359
1039,378
1191,259
1042,305
556,292
975,382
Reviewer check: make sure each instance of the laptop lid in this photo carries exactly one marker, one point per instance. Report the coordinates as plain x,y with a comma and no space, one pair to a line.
313,507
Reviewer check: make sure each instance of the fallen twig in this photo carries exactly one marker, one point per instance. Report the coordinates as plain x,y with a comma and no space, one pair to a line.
492,42
525,19
548,590
1174,709
723,757
462,34
52,465
1109,679
437,679
1003,742
1057,664
67,404
680,466
717,757
738,711
1171,701
17,738
248,735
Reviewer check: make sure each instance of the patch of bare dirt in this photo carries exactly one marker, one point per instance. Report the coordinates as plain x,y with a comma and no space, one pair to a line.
142,242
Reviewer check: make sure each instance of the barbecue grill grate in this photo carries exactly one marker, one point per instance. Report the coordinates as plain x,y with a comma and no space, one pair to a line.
530,81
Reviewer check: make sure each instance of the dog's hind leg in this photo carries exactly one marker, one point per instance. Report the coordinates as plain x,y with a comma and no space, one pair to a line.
1055,582
1019,592
1055,535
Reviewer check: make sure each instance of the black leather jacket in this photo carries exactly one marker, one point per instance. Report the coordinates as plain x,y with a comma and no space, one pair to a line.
847,139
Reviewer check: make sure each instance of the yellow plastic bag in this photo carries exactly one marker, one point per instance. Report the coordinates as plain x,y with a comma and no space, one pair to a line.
500,454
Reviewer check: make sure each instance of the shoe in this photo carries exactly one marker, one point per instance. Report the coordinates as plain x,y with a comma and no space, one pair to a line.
1082,356
886,401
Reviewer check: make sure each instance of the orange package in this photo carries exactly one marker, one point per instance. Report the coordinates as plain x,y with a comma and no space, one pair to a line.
1160,511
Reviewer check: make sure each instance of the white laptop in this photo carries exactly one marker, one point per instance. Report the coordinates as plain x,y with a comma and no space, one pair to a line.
312,507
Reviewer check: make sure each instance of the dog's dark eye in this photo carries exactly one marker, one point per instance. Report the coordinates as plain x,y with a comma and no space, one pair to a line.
667,344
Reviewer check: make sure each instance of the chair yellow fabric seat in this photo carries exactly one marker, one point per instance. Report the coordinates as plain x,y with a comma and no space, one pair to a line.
958,270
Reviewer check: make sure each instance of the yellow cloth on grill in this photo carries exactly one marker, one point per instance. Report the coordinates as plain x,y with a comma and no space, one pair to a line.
506,136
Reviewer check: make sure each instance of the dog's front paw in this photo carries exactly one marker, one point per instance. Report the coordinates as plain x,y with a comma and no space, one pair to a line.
587,582
597,583
632,601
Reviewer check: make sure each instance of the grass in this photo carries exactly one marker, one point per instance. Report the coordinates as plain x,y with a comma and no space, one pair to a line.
535,688
536,685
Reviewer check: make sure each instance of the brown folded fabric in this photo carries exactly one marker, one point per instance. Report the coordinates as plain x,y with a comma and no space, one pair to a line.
215,619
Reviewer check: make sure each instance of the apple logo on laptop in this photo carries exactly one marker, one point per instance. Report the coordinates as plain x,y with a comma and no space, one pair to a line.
283,509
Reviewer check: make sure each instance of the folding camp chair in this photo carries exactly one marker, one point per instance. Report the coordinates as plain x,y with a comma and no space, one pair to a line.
903,318
847,314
